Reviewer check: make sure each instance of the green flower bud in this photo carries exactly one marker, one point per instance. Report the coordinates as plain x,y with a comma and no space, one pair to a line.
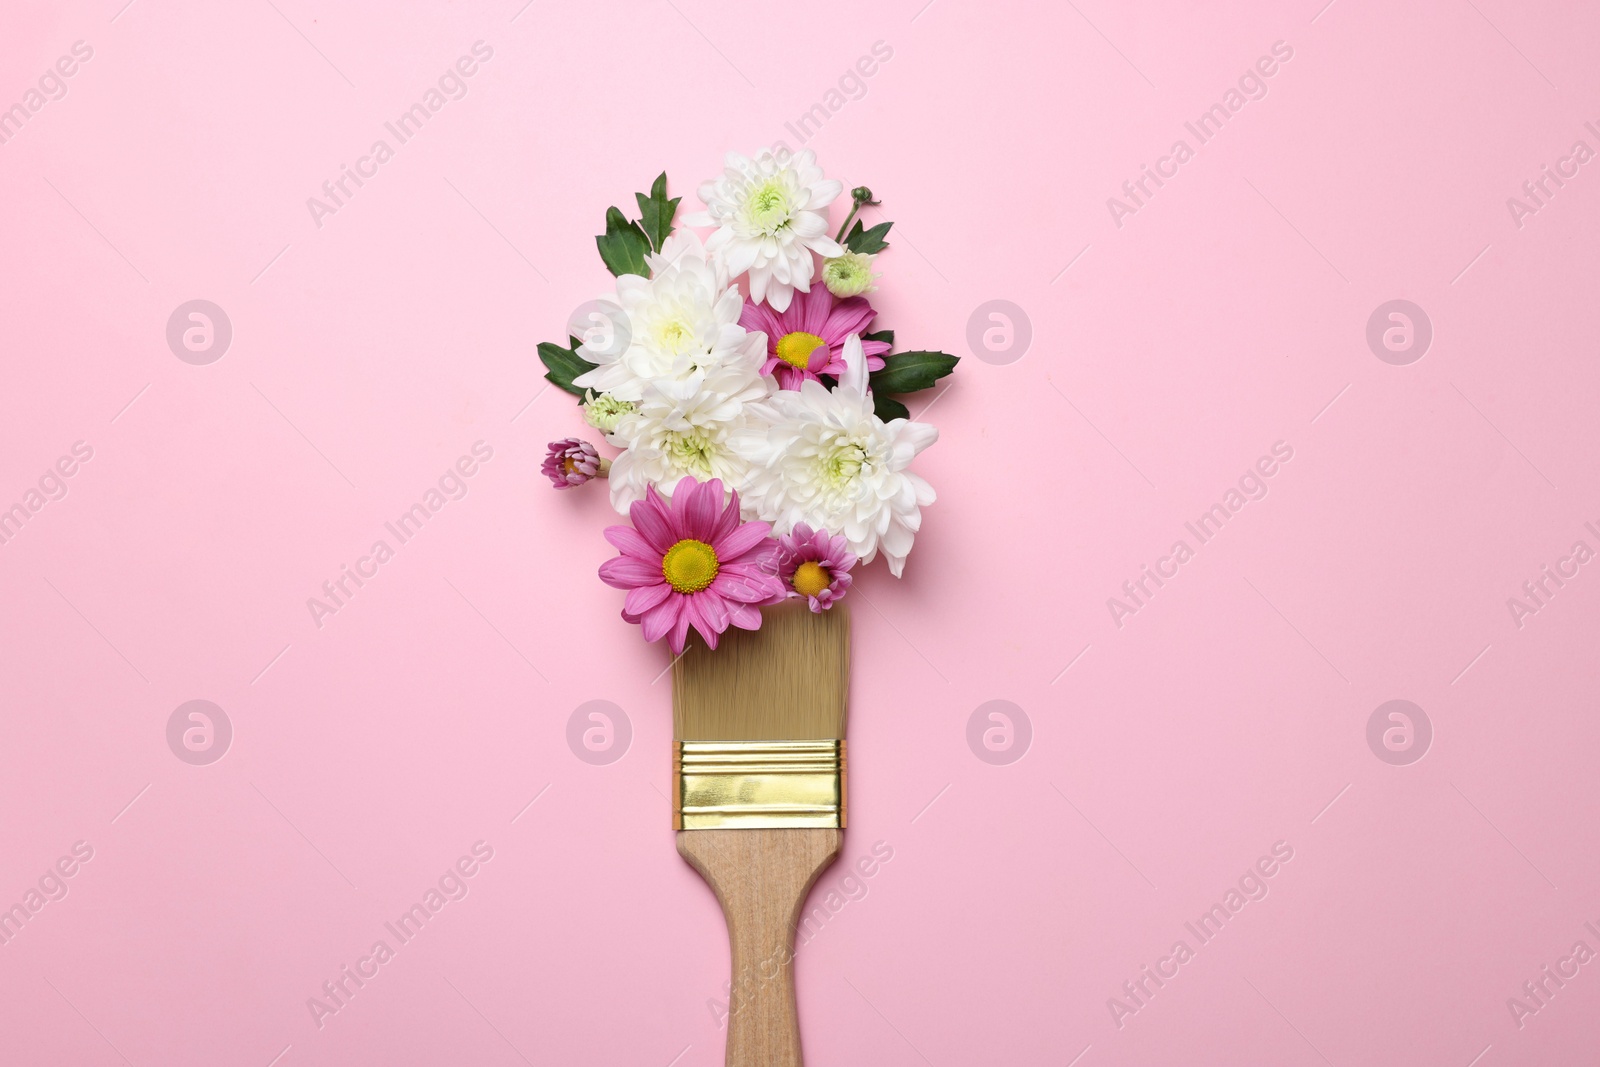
848,275
603,411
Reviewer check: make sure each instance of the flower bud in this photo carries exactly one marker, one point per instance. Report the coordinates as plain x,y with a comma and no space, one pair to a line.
848,275
603,411
570,462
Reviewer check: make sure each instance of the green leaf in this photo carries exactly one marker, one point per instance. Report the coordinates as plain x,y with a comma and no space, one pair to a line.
886,336
868,241
888,409
623,246
908,372
564,364
656,212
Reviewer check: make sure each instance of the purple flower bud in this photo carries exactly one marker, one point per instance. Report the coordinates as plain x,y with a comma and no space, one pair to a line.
571,462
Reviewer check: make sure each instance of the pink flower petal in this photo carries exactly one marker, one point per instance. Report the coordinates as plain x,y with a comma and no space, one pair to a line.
727,522
758,317
702,508
835,365
680,627
626,572
850,316
753,567
708,613
656,504
674,509
643,598
744,616
649,518
662,618
814,308
740,541
761,587
742,590
630,543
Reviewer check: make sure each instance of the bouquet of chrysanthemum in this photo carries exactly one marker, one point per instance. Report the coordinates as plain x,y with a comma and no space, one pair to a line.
762,454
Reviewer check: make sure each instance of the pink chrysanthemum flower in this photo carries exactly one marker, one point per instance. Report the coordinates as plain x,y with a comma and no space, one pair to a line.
807,339
691,562
571,462
815,565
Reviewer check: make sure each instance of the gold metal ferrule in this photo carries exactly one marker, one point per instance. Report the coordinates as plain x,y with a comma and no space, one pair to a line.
753,784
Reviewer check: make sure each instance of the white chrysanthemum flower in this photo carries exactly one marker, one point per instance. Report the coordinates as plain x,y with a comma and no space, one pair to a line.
681,321
828,461
688,428
770,216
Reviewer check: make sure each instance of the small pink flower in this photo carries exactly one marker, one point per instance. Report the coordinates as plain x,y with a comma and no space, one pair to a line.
807,339
571,462
691,562
815,565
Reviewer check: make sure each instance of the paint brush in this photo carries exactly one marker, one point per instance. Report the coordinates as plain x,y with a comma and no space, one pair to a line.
758,799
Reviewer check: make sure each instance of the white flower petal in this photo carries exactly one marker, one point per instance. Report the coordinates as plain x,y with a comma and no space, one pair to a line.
913,437
826,247
824,193
854,378
809,224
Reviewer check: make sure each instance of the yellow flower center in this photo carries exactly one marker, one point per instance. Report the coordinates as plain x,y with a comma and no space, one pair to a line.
795,348
689,566
811,578
569,465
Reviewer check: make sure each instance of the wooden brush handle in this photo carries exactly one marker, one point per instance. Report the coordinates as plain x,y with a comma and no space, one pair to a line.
761,877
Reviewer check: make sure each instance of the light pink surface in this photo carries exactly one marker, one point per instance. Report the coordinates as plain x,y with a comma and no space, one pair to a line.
1168,354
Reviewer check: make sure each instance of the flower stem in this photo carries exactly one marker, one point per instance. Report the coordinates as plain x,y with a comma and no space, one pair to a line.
848,219
859,196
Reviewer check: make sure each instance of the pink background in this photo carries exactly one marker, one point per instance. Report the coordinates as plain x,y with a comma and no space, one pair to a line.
1230,713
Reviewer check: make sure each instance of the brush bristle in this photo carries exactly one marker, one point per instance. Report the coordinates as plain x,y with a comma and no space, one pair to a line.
786,681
